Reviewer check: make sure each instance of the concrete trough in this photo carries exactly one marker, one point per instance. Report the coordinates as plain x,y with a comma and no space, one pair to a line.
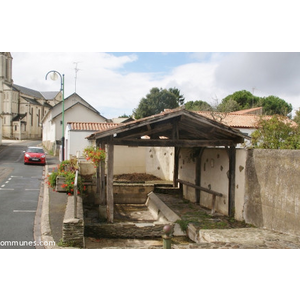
137,221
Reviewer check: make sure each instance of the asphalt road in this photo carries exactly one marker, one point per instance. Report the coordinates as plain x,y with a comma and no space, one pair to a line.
19,194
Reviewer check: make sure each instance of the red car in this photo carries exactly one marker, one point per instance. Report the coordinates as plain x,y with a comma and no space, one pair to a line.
35,155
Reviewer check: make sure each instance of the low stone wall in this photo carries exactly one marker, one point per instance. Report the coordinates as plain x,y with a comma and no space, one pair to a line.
131,193
124,230
163,213
73,228
162,216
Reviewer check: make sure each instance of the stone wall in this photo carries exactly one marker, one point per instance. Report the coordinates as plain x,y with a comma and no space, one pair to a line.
272,190
131,193
73,228
124,230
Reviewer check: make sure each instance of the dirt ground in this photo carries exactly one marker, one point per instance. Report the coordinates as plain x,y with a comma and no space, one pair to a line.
136,177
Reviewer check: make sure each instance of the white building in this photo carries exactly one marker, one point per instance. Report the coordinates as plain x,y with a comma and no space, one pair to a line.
76,109
76,133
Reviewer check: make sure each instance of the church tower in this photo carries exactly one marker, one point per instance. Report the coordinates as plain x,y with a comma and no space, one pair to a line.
6,67
8,109
5,75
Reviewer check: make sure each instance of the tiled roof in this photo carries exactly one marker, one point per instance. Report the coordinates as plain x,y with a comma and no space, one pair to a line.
250,111
91,126
237,120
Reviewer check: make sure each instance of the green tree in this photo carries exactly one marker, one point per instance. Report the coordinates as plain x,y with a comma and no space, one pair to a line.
125,116
198,105
276,133
158,100
238,101
176,92
273,105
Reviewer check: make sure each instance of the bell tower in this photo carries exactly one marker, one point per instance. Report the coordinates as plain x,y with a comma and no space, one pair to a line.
6,68
5,92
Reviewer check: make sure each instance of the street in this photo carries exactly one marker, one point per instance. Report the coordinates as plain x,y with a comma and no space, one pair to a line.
19,194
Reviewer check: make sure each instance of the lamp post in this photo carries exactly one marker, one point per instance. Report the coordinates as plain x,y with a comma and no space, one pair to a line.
54,76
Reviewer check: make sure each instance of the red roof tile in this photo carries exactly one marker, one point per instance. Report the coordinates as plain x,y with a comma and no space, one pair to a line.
237,120
91,126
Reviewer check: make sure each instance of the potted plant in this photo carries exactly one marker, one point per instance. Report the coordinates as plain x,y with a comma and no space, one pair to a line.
94,154
63,179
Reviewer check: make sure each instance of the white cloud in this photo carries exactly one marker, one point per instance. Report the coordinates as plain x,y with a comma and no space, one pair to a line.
105,83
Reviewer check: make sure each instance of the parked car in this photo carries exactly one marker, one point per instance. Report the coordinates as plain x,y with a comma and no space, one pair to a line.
35,155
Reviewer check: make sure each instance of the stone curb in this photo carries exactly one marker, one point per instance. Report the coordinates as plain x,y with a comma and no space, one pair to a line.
46,234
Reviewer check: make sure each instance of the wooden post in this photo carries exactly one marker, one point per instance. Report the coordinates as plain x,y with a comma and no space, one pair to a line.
110,177
176,166
98,179
175,137
102,178
198,175
231,188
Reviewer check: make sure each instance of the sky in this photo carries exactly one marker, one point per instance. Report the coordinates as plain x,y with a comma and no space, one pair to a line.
115,82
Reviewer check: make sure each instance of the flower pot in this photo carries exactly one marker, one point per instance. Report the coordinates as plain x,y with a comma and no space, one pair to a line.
60,180
86,168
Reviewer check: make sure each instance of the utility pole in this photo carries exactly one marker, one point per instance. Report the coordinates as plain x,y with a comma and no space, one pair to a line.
76,71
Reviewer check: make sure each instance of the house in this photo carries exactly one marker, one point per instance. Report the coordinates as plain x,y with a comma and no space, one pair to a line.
76,109
76,133
244,120
125,161
22,108
247,120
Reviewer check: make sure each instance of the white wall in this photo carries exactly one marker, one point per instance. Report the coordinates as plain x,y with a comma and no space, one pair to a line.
75,141
129,159
48,132
160,162
77,113
214,176
126,159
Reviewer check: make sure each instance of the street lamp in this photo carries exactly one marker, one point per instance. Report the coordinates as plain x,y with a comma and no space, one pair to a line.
54,76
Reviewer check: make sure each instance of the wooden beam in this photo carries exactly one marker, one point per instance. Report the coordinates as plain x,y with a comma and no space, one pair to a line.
175,130
200,188
172,143
231,187
176,166
110,178
198,175
102,178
